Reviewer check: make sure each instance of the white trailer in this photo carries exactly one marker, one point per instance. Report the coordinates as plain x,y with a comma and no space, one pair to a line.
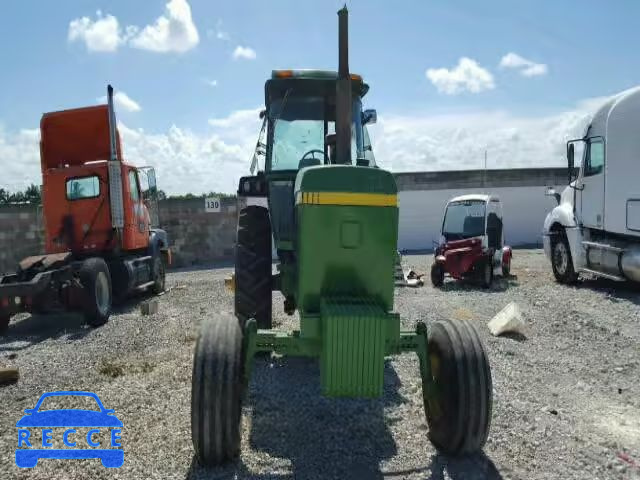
595,228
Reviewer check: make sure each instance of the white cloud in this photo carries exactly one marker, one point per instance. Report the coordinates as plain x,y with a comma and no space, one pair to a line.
122,100
466,76
220,33
211,83
190,162
527,68
101,35
172,32
247,53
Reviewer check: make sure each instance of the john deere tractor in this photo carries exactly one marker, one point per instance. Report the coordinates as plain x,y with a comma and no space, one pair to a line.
333,215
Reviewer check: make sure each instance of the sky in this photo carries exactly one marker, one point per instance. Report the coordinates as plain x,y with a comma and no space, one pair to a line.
449,79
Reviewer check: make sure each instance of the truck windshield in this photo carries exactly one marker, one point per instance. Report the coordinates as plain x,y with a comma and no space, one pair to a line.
300,127
464,220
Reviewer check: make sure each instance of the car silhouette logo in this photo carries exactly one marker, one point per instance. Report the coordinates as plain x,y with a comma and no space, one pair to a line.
28,453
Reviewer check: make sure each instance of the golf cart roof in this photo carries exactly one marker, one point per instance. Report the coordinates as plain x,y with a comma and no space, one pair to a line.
475,197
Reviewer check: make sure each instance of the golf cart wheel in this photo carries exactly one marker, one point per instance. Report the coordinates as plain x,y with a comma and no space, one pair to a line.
216,391
506,268
4,322
97,295
486,272
561,261
158,275
437,274
459,410
253,296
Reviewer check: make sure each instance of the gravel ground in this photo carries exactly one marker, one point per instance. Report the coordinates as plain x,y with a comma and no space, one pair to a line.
566,395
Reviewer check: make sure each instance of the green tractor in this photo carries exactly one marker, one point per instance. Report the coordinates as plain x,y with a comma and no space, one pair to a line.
333,215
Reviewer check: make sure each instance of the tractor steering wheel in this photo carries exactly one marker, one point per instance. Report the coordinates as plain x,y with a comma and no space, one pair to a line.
312,153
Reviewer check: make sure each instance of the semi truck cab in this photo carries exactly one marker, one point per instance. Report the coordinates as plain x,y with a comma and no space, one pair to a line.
595,228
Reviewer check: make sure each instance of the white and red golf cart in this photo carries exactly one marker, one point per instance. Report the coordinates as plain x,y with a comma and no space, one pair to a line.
471,241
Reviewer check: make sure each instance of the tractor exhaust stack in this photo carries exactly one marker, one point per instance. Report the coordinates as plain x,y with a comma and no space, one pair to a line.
343,91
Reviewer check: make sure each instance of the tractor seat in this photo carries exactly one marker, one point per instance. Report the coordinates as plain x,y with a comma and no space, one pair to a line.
309,162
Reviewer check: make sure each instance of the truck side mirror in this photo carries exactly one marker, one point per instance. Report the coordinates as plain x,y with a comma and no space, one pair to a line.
551,192
570,160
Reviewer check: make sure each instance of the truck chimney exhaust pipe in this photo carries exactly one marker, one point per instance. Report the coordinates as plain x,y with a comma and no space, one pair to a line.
343,91
115,169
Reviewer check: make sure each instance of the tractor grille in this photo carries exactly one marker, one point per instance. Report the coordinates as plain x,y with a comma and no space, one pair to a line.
353,348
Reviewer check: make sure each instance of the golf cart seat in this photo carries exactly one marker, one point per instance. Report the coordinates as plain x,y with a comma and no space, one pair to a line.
473,224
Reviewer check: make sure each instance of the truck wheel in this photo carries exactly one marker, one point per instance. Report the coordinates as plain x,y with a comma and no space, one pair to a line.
437,274
506,268
561,261
486,273
253,267
158,275
96,281
216,391
459,409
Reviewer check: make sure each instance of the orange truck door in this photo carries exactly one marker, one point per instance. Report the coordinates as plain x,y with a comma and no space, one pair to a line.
137,223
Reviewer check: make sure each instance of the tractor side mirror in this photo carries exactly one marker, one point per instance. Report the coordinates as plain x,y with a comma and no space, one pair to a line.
369,116
570,160
262,113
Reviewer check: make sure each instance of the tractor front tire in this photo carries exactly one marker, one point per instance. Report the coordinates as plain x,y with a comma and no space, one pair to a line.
216,391
437,274
97,293
561,261
460,407
253,296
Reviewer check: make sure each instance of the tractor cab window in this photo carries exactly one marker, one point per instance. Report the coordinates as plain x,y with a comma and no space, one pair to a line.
133,186
367,148
299,125
464,219
84,187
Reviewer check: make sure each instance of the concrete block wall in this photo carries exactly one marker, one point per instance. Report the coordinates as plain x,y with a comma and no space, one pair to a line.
21,234
201,238
196,236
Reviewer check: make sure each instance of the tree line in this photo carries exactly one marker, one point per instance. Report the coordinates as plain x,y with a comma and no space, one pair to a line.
33,195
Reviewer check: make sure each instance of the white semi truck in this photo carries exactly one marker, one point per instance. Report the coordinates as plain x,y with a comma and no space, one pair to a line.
595,228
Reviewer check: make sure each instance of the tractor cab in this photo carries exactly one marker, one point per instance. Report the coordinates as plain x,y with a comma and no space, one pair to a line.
299,131
471,240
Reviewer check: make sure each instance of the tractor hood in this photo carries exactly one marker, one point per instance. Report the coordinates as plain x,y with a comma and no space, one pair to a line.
74,137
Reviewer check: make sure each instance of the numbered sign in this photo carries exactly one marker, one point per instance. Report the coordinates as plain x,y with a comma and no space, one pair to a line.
212,204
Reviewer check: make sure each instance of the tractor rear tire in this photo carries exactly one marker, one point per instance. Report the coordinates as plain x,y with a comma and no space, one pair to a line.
459,414
437,274
97,293
158,275
561,261
216,391
253,296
